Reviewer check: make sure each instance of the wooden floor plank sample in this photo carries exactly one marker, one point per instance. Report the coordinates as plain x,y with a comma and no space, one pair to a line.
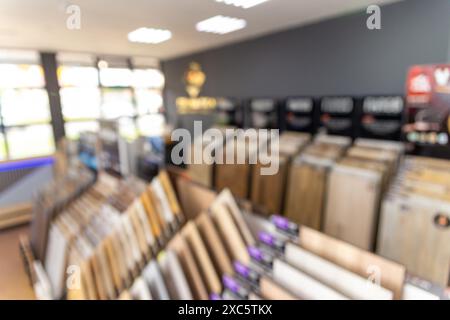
301,284
306,194
186,258
273,291
352,205
210,277
334,276
214,244
226,200
267,191
410,234
172,271
390,274
230,234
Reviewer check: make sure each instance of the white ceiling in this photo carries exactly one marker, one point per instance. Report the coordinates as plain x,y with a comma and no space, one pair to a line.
41,24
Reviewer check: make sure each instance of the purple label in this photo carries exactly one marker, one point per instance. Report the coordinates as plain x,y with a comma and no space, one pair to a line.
230,283
215,297
255,253
267,238
280,222
241,269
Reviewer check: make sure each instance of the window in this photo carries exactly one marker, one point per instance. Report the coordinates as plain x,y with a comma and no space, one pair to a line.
148,101
24,106
117,103
148,85
25,119
29,141
80,93
107,88
80,104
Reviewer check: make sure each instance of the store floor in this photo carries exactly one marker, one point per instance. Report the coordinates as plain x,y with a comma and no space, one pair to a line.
14,282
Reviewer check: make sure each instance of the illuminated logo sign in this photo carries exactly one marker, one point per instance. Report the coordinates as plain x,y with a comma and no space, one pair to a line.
195,78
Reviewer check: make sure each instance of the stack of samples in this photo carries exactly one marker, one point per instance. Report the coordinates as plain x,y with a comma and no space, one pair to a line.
236,160
415,220
355,187
267,190
99,244
51,199
308,176
302,263
110,244
201,154
193,262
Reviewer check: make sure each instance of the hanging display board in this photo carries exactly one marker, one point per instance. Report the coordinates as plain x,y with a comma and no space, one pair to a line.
428,109
263,113
337,116
298,115
228,112
381,117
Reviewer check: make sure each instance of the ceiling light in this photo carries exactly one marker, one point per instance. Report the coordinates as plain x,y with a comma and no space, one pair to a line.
149,35
242,3
102,64
221,25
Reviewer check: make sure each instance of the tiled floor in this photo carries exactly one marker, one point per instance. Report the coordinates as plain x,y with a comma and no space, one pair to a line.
14,282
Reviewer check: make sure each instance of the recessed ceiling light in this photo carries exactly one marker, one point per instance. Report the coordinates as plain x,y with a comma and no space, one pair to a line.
149,35
221,25
242,3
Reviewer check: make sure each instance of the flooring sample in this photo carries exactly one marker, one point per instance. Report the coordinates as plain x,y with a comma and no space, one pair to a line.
226,200
139,290
201,171
149,207
230,235
155,281
194,198
172,272
301,284
349,216
170,194
333,140
389,274
235,173
192,237
214,244
272,291
334,276
306,191
56,260
414,231
160,194
267,192
398,147
191,270
411,292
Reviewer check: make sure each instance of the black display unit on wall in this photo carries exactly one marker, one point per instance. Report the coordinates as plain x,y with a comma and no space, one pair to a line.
299,114
262,113
337,116
380,117
229,112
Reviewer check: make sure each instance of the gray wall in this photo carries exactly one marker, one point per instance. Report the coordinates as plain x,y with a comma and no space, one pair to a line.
337,56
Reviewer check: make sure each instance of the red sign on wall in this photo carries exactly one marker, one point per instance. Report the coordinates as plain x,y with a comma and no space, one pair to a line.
428,105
